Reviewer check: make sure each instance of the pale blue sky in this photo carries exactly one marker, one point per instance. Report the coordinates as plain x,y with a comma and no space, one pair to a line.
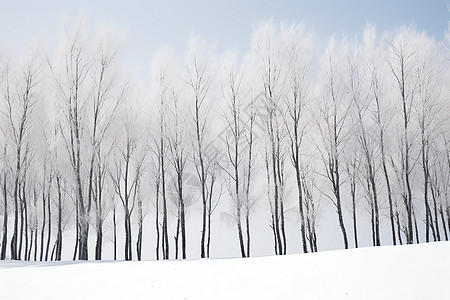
150,25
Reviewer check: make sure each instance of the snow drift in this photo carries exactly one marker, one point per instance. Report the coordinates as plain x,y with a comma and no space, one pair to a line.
403,272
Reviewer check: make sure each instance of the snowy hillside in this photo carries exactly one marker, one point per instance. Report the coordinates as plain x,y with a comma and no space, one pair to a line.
402,272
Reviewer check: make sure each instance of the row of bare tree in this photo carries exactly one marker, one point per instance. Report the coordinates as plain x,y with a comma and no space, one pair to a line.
365,126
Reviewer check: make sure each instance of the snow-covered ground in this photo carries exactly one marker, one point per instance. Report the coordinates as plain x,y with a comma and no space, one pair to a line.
402,272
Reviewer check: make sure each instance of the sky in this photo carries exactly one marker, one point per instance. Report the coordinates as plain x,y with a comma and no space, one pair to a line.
152,25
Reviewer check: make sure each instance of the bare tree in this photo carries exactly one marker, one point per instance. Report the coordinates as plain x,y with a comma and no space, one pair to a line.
199,79
160,149
178,157
250,139
73,89
231,90
21,96
4,189
298,52
311,206
156,176
401,60
352,168
269,58
334,112
127,171
103,107
365,136
382,122
427,109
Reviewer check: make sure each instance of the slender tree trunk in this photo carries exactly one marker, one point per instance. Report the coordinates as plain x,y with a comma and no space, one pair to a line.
441,212
182,217
5,219
163,188
372,222
36,240
415,226
428,221
49,228
52,256
240,234
397,217
338,203
127,235
247,189
283,229
99,216
77,231
157,221
139,237
25,211
376,212
247,226
237,194
208,216
300,203
99,234
114,233
448,217
275,237
276,202
391,209
177,234
36,223
16,215
30,249
59,230
355,227
21,231
44,220
436,218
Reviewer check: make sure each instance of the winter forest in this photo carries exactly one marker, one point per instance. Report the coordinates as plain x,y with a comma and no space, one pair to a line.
98,163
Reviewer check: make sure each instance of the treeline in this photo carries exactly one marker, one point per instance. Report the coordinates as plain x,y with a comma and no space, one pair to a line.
364,125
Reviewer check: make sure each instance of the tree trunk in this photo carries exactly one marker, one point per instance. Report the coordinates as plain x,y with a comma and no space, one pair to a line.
247,226
21,202
276,214
16,220
139,238
443,222
182,218
5,219
283,229
44,220
157,221
177,234
25,211
338,203
128,254
355,232
49,229
397,217
114,233
30,249
388,186
165,221
415,226
59,230
436,219
300,203
99,218
77,231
